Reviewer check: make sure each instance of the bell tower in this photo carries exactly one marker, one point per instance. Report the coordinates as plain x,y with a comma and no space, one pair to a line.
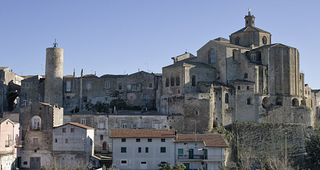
249,19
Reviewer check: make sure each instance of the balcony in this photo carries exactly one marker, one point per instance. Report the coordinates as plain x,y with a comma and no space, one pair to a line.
19,144
190,156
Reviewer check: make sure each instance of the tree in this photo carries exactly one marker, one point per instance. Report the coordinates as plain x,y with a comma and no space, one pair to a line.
165,166
112,168
313,152
179,167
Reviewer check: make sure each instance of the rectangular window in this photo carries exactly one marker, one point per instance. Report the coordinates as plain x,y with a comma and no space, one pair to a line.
172,81
162,149
129,87
163,140
147,150
144,97
180,151
35,142
56,140
101,137
139,149
88,85
123,140
138,140
120,86
107,85
83,121
177,81
85,99
63,130
72,129
124,125
167,82
27,85
131,99
68,86
101,125
149,140
66,140
150,85
123,150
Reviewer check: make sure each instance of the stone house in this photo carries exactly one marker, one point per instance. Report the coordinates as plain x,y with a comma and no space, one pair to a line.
10,144
37,122
142,148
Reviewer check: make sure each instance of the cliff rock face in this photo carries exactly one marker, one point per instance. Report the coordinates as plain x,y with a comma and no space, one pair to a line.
276,141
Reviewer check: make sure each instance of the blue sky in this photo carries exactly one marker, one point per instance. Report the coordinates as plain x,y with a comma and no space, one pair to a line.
124,36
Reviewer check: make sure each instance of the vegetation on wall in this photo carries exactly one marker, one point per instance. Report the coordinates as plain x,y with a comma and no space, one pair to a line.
313,152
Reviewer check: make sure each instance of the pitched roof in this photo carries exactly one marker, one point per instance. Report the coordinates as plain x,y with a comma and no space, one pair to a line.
209,140
250,28
80,125
142,133
4,119
188,62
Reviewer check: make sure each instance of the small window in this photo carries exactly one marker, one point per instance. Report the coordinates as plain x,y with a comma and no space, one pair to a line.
27,85
172,81
180,151
123,150
64,130
245,75
167,82
238,87
83,121
85,99
150,85
55,140
138,140
162,149
107,85
120,86
249,101
88,85
226,98
66,140
101,125
177,81
146,150
123,140
123,162
124,125
68,86
101,137
139,149
144,97
212,56
193,80
264,40
72,129
163,140
248,88
238,41
149,140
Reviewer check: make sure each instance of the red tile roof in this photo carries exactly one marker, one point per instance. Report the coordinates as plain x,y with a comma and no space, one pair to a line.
209,140
142,133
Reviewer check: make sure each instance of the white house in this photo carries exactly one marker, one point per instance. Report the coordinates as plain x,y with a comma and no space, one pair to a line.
9,144
73,142
200,150
142,148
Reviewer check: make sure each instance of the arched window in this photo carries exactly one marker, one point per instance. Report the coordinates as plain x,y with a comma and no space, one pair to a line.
193,80
279,101
172,81
104,146
264,40
226,98
238,41
36,123
212,56
295,102
177,81
167,82
265,102
249,101
245,75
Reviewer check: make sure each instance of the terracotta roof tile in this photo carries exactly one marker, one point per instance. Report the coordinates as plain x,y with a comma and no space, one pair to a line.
80,125
209,140
142,133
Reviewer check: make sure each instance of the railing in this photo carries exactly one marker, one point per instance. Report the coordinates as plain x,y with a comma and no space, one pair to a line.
190,156
19,144
204,157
